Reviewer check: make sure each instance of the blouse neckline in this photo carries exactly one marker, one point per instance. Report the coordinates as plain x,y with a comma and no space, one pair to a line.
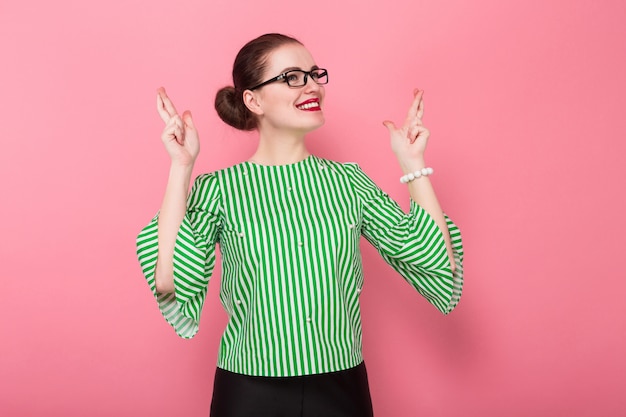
304,161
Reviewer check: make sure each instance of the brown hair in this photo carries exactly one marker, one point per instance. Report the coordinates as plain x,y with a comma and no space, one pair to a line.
249,67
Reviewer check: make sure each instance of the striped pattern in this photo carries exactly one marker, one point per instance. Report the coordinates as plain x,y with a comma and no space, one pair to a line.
289,239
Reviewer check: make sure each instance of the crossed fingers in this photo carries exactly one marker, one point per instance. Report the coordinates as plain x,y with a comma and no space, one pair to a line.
416,111
174,125
165,107
413,123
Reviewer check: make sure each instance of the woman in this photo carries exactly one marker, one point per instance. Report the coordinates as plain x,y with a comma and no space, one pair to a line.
288,224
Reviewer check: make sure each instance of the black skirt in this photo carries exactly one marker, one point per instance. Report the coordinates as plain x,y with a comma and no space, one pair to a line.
335,394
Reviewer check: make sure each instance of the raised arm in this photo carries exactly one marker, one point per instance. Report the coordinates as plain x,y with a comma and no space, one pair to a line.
408,142
180,138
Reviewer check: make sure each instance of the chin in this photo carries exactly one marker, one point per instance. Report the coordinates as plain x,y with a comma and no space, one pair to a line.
307,125
316,126
319,122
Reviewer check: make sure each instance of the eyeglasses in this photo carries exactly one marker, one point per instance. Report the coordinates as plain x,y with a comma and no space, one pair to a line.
298,78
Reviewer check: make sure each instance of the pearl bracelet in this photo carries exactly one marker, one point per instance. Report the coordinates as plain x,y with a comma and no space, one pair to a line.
424,172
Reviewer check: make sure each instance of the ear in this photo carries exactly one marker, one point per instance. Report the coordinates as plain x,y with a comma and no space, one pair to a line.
251,101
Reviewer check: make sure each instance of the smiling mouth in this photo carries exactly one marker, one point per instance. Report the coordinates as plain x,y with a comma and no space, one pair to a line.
309,105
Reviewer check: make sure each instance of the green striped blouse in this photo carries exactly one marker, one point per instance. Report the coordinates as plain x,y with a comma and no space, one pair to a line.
289,239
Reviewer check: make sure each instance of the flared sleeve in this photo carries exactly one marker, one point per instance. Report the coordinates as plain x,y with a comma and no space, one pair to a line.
194,256
411,243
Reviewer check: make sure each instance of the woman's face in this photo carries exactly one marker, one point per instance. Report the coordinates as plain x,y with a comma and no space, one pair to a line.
297,109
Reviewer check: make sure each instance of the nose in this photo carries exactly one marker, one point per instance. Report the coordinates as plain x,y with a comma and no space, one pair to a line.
311,85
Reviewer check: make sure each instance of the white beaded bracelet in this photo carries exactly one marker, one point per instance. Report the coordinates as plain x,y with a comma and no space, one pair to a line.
424,172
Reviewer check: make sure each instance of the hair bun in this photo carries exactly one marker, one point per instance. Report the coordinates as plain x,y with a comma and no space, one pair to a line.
231,109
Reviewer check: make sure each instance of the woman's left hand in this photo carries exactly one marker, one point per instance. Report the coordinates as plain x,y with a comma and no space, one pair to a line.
409,141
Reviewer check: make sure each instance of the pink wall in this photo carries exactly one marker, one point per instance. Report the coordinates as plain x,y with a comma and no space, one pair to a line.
525,101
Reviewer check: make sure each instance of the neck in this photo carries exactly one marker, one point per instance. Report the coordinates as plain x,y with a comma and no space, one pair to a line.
279,148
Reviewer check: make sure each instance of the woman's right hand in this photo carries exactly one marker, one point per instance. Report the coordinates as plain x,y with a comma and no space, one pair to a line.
179,136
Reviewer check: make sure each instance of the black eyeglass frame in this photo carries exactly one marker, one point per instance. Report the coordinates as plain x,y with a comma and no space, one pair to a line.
283,76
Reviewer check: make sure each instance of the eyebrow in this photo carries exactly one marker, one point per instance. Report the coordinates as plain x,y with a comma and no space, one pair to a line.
314,67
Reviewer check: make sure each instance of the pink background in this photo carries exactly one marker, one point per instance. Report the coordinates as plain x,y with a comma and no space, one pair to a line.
525,101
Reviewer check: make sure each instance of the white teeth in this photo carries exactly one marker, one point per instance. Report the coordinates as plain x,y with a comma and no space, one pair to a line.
308,105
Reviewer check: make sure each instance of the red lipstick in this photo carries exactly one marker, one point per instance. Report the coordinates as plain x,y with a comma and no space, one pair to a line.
312,104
